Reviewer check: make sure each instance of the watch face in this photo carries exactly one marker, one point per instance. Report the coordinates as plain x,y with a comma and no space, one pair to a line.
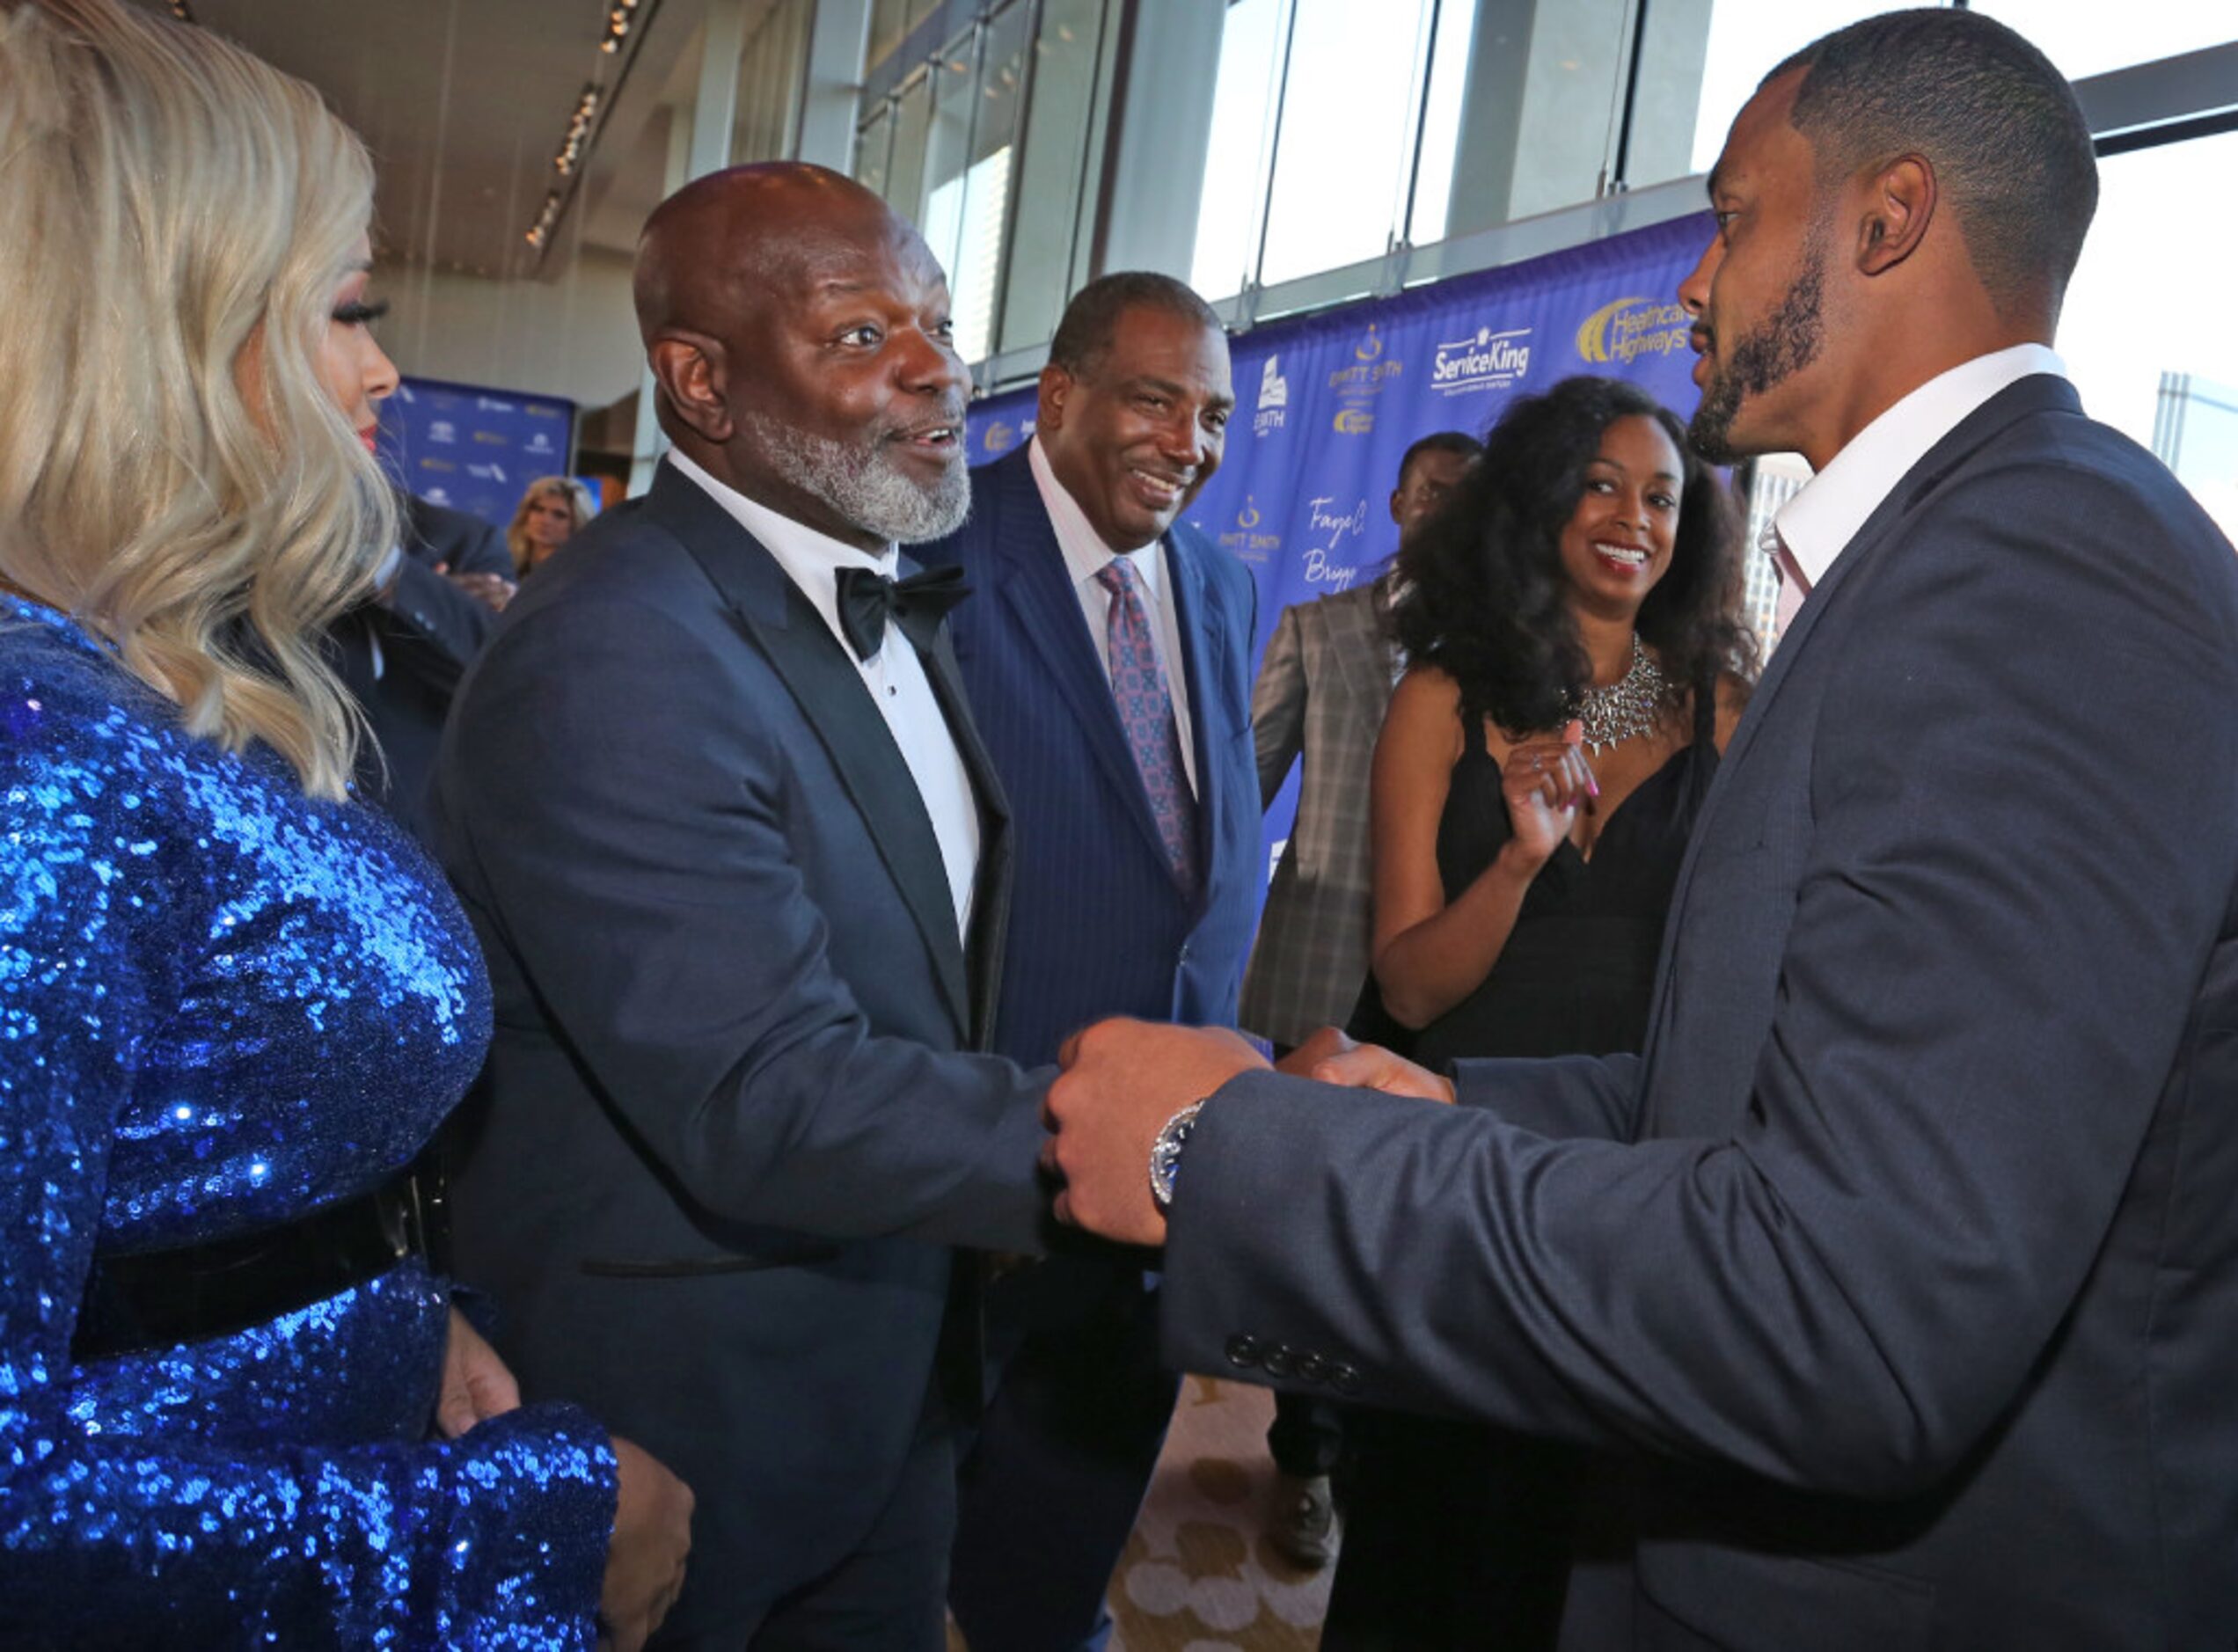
1166,1155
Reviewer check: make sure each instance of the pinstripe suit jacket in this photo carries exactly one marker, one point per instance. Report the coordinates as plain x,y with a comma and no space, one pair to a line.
1323,689
1097,926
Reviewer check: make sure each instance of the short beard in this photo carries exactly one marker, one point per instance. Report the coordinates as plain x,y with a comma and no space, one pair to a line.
862,484
1785,345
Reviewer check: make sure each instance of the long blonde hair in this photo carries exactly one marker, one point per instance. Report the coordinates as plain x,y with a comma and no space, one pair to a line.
517,532
171,202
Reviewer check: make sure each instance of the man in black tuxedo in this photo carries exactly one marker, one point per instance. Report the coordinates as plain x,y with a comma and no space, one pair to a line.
402,653
1899,1272
739,864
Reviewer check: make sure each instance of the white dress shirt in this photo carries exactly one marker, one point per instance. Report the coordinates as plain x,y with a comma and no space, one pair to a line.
894,675
1825,514
1084,555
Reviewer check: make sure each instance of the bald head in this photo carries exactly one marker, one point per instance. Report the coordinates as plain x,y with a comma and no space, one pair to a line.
798,331
718,241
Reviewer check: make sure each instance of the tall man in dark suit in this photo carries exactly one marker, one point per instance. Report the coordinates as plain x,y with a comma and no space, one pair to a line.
402,653
1107,653
739,864
1902,1265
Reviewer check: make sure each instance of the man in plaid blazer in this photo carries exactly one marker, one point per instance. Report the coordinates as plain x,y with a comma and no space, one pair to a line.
1323,689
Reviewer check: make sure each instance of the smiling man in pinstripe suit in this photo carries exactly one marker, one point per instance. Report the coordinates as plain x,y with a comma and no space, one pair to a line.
1107,654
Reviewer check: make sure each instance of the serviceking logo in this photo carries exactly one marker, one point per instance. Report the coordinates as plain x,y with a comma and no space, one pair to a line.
1485,360
487,473
1630,328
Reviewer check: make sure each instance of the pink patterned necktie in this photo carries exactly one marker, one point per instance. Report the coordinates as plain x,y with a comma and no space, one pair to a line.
1146,713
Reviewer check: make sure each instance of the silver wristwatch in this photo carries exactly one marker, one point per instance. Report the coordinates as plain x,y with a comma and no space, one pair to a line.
1166,1154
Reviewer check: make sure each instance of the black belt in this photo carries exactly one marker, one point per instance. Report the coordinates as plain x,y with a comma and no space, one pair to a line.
153,1300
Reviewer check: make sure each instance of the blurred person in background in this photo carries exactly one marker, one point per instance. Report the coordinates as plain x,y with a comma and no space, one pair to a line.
554,510
241,1407
1323,686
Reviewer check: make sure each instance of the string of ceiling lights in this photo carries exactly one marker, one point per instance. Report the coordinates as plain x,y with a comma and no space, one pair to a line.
624,18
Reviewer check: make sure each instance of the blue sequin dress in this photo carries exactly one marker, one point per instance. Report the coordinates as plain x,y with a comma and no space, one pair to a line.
223,1004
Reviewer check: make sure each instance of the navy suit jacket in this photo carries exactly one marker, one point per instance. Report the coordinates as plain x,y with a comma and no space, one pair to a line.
731,1120
401,660
1098,926
1903,1263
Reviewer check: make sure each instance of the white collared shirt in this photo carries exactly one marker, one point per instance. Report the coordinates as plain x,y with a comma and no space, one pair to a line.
1084,555
1825,514
894,675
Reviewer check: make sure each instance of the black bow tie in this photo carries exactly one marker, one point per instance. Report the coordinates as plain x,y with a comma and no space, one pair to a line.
868,599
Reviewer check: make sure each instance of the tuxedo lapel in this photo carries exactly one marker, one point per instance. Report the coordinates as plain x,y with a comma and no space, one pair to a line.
990,897
829,692
1037,585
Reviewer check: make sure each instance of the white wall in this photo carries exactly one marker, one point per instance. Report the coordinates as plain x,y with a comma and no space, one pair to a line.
574,337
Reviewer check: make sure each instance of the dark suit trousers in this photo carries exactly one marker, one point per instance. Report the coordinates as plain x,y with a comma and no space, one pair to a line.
1050,1489
885,1595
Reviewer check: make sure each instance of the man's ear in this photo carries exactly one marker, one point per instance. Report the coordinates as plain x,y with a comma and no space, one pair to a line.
1900,200
690,370
1055,389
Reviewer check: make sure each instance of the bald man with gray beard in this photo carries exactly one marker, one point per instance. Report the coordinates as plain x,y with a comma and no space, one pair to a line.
740,865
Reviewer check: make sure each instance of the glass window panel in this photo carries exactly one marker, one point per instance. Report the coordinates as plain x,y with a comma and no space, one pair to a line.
1346,145
1701,62
889,28
1441,128
873,145
2088,37
2142,329
948,144
975,271
1237,153
905,172
1051,169
1572,97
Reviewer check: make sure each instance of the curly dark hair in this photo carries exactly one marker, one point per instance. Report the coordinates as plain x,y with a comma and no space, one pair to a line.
1486,599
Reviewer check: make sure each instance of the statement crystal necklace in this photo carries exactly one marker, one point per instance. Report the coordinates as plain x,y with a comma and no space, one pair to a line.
1630,706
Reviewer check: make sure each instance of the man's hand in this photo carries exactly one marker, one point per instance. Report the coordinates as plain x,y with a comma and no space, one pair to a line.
1330,1057
1121,1081
476,1386
645,1561
492,590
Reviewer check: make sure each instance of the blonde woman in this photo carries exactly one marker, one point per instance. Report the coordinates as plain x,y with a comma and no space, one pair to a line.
240,1408
554,510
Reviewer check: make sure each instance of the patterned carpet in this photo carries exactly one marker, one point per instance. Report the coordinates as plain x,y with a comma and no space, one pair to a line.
1197,1575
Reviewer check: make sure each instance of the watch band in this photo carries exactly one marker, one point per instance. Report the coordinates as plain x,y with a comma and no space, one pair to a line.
1166,1154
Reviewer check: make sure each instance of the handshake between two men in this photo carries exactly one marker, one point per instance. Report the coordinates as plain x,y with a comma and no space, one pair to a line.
1125,1081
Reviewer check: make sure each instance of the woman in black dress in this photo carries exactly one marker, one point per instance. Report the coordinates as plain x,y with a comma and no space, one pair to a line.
1571,623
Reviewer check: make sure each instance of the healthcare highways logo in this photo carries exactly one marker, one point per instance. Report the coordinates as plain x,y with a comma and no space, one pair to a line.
1630,328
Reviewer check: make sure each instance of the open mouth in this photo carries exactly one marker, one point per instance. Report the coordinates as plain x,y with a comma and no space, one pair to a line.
1625,558
937,443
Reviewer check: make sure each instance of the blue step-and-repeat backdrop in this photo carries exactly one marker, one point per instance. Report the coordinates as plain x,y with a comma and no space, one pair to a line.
1327,405
473,449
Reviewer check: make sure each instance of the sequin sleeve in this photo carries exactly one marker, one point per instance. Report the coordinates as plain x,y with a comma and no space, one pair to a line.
182,1535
